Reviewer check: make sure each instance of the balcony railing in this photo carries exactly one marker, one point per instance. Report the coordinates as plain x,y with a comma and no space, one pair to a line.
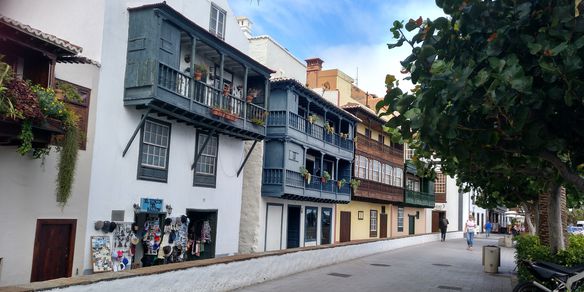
419,199
380,191
376,146
200,93
273,176
279,118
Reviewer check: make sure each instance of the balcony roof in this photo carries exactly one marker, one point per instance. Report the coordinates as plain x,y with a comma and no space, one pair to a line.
289,82
48,42
357,107
205,35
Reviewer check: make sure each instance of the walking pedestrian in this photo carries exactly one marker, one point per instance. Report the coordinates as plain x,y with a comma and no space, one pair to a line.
443,227
469,229
488,227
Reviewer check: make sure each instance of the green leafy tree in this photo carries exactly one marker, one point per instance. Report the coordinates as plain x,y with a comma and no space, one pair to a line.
499,94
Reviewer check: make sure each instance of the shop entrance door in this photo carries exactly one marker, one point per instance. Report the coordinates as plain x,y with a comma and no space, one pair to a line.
199,221
435,221
54,247
383,225
345,234
293,234
412,224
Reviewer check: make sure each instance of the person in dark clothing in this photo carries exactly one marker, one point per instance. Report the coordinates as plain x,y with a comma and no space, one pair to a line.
443,224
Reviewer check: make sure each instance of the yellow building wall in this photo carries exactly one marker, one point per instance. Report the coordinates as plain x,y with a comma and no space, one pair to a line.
420,227
360,228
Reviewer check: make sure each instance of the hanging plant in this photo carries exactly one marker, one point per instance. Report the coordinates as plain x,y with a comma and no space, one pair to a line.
26,138
67,162
341,183
355,183
325,176
306,174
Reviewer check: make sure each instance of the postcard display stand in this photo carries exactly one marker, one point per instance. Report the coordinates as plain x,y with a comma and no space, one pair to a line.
101,254
122,250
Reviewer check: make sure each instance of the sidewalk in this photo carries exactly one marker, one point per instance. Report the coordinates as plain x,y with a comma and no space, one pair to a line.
436,266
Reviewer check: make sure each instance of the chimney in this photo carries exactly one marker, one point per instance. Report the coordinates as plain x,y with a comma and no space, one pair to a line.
314,64
245,25
313,68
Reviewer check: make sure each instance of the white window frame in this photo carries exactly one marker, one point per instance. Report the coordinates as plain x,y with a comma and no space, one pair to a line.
375,170
387,174
373,221
209,153
215,21
400,219
398,177
154,146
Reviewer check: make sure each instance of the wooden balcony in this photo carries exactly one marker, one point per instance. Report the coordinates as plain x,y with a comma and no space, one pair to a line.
283,123
369,147
419,199
292,185
160,77
378,192
440,197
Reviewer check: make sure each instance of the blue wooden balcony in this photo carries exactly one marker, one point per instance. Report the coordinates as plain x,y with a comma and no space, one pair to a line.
419,199
167,55
284,123
292,185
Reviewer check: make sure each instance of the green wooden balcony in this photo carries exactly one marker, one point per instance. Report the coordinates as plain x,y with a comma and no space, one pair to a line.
419,199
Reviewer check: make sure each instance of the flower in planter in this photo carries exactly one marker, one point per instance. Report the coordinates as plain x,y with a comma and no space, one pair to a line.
325,176
355,183
341,183
251,94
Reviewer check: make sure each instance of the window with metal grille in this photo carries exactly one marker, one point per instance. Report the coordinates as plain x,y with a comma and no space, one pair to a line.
409,153
440,183
206,168
154,150
400,219
373,223
217,21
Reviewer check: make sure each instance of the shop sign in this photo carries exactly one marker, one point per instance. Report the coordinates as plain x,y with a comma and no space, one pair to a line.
149,205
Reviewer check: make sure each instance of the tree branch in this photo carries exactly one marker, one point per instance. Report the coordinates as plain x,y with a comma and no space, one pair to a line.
567,174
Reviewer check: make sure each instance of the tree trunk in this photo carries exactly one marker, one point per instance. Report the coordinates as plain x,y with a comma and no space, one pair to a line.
543,229
556,234
528,211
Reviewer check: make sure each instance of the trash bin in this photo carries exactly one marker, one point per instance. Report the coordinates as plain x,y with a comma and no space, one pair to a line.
491,258
508,240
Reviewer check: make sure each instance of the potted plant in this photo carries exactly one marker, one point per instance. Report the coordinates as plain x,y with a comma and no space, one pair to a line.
216,111
355,183
251,94
344,135
228,115
312,119
325,176
200,70
341,183
306,174
329,129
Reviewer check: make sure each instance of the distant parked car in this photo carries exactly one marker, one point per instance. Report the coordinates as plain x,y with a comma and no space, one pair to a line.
576,230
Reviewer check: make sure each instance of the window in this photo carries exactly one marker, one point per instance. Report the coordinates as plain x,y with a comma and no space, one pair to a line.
206,168
398,177
400,219
362,166
367,133
217,22
373,223
154,151
380,138
387,174
293,155
409,153
440,183
310,220
375,170
413,185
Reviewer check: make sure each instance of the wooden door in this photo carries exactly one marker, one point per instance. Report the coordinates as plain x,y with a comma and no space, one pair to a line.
345,234
412,224
383,225
53,249
435,221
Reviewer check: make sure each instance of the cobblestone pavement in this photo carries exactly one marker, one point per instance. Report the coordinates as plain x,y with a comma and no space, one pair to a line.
437,266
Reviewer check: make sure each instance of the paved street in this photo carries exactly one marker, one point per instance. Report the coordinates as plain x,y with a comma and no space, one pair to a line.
437,266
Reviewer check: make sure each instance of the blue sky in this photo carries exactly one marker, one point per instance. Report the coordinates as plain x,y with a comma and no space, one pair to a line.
346,34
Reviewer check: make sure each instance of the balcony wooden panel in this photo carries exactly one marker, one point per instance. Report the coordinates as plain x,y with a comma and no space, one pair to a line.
289,184
372,190
419,199
373,148
440,197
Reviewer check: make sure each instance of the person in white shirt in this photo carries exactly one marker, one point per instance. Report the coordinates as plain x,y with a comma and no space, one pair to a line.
469,229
